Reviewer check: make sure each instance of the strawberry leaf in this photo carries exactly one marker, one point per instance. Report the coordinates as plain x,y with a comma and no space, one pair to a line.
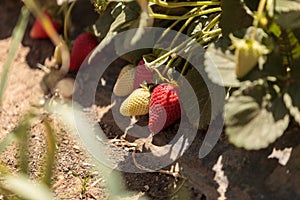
292,101
124,15
252,120
144,21
284,6
220,62
234,17
288,13
198,104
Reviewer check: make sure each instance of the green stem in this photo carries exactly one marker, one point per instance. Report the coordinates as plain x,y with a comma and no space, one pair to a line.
184,4
67,20
169,17
175,23
212,23
213,32
168,65
187,22
260,11
186,64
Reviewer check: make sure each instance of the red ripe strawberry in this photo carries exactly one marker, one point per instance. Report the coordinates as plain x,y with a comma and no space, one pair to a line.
164,107
82,46
38,32
142,73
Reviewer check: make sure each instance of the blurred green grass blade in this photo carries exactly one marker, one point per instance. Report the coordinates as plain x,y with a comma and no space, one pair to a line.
23,187
50,156
17,36
66,113
21,134
9,138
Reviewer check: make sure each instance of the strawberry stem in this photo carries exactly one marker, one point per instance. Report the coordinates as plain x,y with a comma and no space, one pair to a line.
186,64
187,22
174,17
183,4
67,20
175,23
259,14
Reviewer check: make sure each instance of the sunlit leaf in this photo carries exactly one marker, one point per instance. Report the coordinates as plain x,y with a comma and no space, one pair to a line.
220,62
252,120
292,101
287,13
287,5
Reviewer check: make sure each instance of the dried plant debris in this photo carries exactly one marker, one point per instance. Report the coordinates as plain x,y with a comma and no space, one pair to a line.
283,156
221,179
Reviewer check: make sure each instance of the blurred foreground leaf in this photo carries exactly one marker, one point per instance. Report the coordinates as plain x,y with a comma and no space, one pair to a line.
25,188
16,40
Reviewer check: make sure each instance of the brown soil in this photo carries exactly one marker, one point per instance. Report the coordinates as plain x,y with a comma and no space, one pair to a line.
251,175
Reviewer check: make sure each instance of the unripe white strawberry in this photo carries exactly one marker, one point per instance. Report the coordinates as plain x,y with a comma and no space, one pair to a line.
137,103
247,54
124,83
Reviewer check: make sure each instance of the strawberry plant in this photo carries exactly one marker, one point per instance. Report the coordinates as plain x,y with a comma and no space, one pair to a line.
259,60
256,50
199,20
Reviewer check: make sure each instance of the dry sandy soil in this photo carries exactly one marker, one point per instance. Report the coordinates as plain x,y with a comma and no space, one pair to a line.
251,175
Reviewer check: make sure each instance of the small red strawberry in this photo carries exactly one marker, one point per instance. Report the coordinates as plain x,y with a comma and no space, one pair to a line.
38,32
142,73
82,46
164,107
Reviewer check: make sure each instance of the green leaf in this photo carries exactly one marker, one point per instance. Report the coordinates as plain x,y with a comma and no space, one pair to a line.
252,120
144,21
220,62
289,20
23,187
203,105
287,5
292,101
287,13
103,23
234,17
124,15
274,64
17,36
